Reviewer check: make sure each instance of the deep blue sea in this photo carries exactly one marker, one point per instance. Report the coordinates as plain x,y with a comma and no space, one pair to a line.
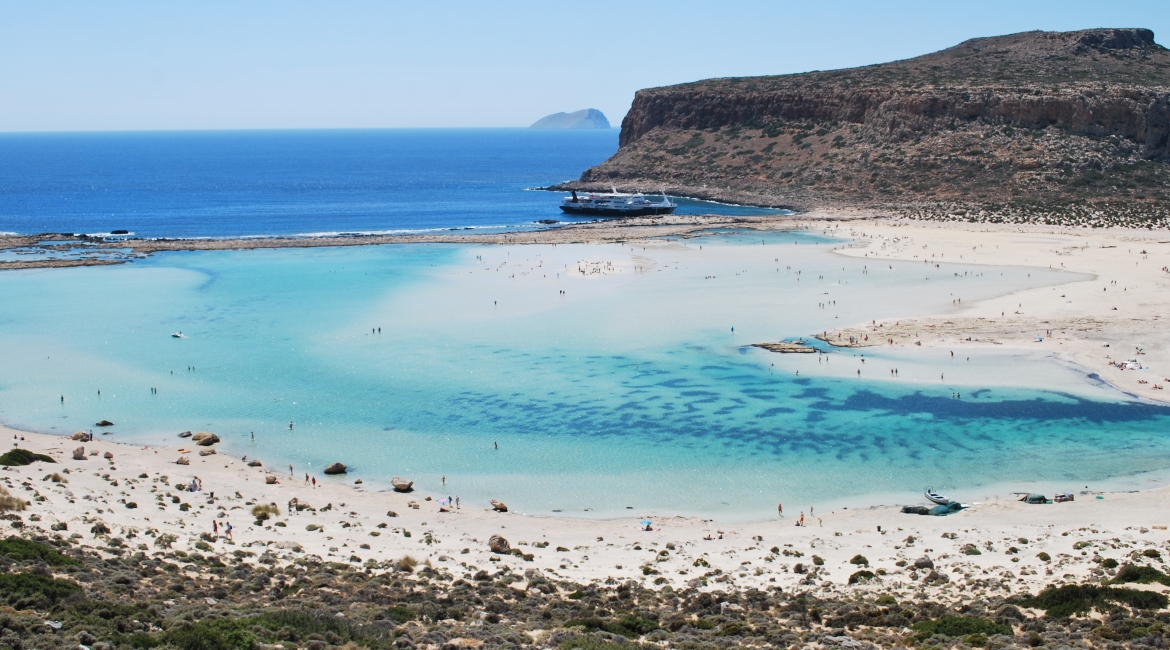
238,183
610,376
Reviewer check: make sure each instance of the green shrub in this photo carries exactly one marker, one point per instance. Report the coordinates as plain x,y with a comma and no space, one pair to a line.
400,614
1062,602
15,587
629,626
734,628
1139,574
18,457
859,560
1109,563
818,560
26,549
860,575
959,626
1152,553
590,643
1044,557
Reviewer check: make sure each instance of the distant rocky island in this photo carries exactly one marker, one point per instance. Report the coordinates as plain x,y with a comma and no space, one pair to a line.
589,118
1061,127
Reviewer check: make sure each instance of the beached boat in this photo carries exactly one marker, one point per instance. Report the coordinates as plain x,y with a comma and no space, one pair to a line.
616,204
935,497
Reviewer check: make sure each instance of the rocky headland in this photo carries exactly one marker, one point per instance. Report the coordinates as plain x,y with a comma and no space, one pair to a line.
1044,127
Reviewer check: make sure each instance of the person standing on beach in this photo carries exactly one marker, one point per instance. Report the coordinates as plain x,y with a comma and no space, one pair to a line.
314,481
306,478
780,507
457,501
290,471
215,528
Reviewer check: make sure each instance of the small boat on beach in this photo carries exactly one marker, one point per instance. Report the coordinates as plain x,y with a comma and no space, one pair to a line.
935,497
616,205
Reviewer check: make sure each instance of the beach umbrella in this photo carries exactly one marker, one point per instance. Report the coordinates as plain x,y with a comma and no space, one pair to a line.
645,522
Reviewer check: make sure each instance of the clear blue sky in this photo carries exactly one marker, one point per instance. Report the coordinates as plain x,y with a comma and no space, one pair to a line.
226,65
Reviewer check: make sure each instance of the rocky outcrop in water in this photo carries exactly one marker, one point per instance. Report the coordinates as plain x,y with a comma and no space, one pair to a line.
589,118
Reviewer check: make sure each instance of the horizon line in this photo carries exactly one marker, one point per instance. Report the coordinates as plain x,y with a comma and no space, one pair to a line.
296,128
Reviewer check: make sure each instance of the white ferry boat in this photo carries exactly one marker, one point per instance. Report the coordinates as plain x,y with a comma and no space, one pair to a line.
616,205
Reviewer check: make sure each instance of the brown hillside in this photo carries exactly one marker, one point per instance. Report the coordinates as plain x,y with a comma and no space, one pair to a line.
1069,126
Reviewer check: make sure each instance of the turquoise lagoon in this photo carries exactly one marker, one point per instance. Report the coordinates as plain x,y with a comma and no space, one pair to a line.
637,387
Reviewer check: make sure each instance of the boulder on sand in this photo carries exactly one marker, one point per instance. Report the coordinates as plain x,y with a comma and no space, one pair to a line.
205,439
498,544
185,434
108,456
207,452
183,460
401,484
253,463
499,506
335,468
924,563
270,480
80,435
79,453
105,423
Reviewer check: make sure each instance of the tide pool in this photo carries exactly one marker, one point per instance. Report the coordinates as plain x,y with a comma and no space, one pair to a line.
609,376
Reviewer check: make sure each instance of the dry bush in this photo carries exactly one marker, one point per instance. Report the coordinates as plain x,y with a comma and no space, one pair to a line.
9,502
265,509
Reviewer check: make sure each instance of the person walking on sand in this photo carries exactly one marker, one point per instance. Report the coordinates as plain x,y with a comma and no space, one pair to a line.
306,478
456,501
214,528
314,481
801,522
227,530
290,471
780,508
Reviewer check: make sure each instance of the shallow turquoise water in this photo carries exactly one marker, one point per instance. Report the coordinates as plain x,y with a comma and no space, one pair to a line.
631,389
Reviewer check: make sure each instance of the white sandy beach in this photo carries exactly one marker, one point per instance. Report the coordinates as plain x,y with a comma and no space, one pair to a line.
1115,317
354,526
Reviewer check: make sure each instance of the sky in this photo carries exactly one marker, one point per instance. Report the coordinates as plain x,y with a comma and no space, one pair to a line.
112,65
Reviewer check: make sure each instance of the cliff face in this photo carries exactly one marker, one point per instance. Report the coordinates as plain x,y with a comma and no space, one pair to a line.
1037,123
1140,115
